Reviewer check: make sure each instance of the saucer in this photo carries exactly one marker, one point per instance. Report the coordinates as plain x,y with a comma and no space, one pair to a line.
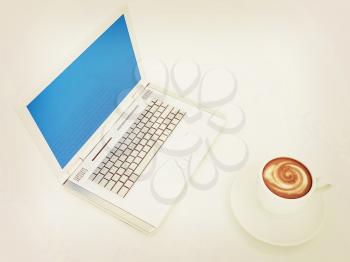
281,230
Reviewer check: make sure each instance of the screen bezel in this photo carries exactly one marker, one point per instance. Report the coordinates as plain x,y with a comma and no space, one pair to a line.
30,124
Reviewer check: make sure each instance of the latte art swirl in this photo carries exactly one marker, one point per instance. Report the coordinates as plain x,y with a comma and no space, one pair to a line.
287,178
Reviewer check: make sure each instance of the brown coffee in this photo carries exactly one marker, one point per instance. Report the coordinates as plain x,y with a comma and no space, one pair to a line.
287,178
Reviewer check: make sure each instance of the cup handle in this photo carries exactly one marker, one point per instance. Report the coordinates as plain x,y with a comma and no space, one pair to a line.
322,184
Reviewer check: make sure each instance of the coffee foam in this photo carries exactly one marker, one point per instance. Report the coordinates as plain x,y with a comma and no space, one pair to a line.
287,178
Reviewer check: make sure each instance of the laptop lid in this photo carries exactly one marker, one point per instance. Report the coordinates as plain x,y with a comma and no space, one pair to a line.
75,104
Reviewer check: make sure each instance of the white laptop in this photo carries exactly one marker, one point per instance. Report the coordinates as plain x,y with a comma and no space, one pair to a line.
115,139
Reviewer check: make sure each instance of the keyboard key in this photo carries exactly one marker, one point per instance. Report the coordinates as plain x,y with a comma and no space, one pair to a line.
109,155
109,164
139,147
120,171
150,143
179,116
116,177
163,137
113,170
133,177
123,178
110,185
127,141
127,151
167,132
108,176
146,149
155,137
122,157
103,182
142,154
130,159
132,136
171,126
166,112
128,184
116,187
114,149
98,178
159,132
162,127
118,164
134,153
125,165
136,140
138,171
153,109
128,172
119,152
104,171
132,166
113,159
92,176
137,160
122,192
175,121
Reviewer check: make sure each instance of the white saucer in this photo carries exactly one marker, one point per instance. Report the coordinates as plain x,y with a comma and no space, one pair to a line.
280,230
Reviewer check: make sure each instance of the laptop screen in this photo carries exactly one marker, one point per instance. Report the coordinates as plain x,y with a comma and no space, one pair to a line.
79,100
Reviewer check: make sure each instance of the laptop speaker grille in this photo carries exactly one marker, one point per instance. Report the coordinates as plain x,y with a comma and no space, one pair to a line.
80,174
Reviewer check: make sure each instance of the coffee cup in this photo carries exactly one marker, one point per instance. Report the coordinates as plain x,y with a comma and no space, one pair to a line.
285,185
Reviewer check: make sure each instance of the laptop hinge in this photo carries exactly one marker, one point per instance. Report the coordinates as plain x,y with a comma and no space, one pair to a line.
75,166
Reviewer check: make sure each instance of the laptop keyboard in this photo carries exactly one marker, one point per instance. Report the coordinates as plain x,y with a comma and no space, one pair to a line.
125,163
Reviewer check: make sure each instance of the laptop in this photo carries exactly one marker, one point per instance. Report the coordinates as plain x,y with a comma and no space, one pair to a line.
115,139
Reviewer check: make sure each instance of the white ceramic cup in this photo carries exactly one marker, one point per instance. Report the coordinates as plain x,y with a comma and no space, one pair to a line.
280,205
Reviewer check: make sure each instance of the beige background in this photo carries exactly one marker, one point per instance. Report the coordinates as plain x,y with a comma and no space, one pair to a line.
291,59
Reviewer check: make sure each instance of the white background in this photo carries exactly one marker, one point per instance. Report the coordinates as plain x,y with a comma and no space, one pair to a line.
291,59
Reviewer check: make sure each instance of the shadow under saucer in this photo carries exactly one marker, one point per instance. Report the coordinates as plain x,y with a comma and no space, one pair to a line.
281,230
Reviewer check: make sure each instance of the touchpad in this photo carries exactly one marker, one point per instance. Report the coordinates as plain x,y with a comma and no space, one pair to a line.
169,182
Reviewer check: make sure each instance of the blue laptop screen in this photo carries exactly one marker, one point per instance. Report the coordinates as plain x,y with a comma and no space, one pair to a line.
78,101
